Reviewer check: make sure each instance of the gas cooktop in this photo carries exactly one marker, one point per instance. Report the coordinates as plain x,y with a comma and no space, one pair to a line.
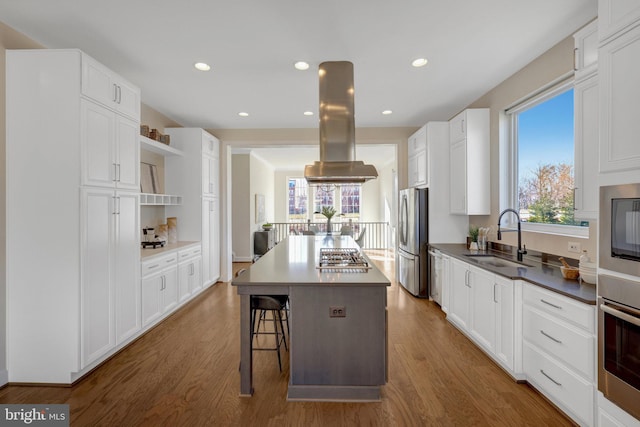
348,260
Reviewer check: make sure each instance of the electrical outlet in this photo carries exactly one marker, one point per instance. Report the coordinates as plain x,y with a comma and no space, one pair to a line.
574,247
338,311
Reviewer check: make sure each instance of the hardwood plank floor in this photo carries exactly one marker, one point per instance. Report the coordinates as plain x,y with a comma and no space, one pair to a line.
185,373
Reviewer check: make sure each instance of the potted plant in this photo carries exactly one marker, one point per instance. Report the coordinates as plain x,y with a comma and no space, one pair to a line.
473,236
328,212
267,226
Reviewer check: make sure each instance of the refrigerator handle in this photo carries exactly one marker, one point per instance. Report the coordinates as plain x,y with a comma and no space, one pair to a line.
404,217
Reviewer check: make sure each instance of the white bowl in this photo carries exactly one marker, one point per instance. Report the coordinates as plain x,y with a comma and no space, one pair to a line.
588,278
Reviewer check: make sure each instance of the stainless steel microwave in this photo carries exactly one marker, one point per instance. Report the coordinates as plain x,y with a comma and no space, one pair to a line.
620,228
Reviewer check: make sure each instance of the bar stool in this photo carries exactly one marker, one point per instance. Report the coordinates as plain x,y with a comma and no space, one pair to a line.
276,304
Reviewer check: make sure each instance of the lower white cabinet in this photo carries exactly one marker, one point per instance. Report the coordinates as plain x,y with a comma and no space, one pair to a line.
189,272
159,287
482,305
110,309
559,350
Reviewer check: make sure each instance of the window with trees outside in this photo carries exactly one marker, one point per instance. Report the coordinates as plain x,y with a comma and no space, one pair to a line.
306,202
542,151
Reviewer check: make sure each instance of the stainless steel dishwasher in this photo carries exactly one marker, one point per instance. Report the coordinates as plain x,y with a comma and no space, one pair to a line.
435,275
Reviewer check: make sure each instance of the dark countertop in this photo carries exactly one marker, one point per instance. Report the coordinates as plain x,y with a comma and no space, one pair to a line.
532,271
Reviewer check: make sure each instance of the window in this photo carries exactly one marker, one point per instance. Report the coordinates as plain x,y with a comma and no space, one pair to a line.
345,199
542,153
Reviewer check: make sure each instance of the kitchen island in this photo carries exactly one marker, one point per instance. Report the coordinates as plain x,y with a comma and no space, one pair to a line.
338,321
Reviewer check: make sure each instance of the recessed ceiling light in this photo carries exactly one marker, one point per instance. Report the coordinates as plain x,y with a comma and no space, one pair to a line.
308,113
420,62
202,66
243,114
387,112
301,65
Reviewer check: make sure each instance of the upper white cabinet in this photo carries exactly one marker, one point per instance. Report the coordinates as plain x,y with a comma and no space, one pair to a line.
469,163
195,176
417,162
71,174
615,16
586,122
110,148
109,89
586,50
618,68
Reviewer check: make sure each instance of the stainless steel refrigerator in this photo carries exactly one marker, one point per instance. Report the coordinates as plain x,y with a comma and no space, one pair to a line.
424,219
413,239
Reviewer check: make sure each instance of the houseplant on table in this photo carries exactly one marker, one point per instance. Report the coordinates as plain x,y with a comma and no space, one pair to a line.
328,212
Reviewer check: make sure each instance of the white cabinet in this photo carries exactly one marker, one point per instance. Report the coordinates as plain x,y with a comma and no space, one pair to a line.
417,162
110,147
104,86
469,163
159,287
482,306
189,272
460,294
79,305
483,310
586,122
585,60
110,310
559,350
195,176
618,68
445,271
615,16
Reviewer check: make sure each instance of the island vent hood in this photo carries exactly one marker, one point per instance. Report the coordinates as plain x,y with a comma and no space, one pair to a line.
337,163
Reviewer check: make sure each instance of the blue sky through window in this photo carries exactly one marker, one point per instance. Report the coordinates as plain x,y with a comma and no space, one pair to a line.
545,134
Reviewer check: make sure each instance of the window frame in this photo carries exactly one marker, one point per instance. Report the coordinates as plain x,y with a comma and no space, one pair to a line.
509,158
311,197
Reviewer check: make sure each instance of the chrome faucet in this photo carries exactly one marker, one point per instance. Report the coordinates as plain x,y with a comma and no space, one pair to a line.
521,249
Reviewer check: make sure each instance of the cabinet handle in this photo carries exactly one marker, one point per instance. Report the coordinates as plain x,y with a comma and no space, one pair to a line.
466,279
550,337
118,201
551,379
115,92
162,284
494,293
115,172
154,266
575,59
119,174
115,209
462,125
119,95
552,305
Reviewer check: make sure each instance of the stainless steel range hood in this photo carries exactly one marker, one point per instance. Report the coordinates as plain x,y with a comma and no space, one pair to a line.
337,163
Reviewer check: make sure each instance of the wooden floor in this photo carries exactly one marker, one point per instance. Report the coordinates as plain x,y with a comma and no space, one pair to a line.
185,373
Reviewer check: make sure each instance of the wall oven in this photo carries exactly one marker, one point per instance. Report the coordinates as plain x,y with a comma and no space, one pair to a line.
620,228
619,341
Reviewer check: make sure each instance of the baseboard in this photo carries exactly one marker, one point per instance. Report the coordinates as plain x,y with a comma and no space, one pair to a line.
4,377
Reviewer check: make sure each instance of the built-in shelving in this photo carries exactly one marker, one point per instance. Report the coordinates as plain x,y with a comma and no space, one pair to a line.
158,147
149,199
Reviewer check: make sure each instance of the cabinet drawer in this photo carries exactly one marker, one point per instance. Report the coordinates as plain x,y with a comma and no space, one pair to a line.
158,264
572,311
190,252
570,345
559,384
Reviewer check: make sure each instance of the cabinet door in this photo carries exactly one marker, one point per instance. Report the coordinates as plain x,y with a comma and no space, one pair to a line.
127,142
195,278
412,171
97,308
446,282
97,135
184,273
458,177
459,297
127,266
128,99
505,315
422,166
214,242
151,298
615,16
586,150
458,127
209,176
483,308
618,68
169,289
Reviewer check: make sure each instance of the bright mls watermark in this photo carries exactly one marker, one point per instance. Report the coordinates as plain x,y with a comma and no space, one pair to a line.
35,415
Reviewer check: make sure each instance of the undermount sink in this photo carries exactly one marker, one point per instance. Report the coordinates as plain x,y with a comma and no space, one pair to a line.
494,261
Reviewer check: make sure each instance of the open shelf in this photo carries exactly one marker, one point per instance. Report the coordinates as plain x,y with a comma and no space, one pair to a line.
149,199
158,147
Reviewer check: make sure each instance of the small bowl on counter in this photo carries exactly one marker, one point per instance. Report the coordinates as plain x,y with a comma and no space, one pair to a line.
570,273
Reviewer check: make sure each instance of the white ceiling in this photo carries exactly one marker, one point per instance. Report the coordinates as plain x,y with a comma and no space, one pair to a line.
252,44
